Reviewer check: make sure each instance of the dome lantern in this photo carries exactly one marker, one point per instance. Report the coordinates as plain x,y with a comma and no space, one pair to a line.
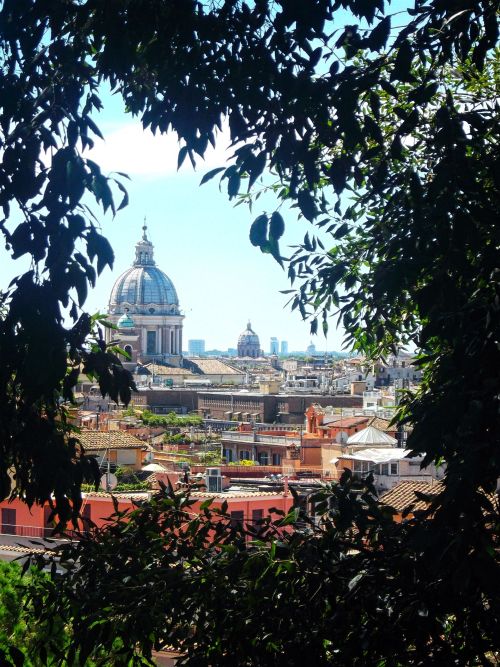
144,288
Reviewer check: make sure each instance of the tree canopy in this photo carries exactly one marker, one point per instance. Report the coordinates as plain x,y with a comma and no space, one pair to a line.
382,129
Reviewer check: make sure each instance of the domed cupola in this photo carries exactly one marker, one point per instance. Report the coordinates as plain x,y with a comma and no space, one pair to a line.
248,343
144,288
144,307
125,321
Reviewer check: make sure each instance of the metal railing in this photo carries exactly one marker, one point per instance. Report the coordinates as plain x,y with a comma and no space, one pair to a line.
236,436
44,532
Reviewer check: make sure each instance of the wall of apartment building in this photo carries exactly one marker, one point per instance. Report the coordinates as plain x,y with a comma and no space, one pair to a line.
17,519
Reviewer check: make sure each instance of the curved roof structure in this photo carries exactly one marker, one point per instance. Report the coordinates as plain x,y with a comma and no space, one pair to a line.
371,436
144,288
248,337
125,321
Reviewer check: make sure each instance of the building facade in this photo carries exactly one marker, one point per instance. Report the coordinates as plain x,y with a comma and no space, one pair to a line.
268,408
274,346
145,308
196,347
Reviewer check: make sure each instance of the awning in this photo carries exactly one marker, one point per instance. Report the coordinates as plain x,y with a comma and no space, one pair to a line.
381,455
371,436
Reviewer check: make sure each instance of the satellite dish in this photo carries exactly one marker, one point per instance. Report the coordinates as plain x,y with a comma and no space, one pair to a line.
108,481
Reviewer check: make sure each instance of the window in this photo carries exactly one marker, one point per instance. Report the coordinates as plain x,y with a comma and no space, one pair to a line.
263,458
150,342
257,515
244,455
385,469
237,519
394,468
8,521
363,467
227,454
276,459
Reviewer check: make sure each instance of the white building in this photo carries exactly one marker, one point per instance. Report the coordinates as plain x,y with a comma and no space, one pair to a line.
145,308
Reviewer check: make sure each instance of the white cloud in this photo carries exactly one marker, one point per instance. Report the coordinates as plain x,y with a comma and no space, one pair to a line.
137,152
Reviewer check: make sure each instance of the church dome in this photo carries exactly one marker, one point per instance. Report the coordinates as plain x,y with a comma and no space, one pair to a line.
248,337
248,343
144,288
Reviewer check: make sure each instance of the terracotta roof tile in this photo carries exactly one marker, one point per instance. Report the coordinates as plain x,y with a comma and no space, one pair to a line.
403,495
346,422
137,495
215,367
159,369
102,440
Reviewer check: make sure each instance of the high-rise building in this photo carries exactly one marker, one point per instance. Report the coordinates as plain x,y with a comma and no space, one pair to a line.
284,347
274,346
196,347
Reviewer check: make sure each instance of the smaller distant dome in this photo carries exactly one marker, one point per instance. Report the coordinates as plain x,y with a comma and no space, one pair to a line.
248,343
125,322
248,337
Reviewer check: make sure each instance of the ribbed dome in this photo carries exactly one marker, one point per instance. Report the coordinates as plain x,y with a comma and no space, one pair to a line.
143,287
248,337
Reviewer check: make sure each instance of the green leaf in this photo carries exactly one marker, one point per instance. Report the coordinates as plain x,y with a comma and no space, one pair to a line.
307,205
402,65
210,174
258,230
277,226
182,156
379,35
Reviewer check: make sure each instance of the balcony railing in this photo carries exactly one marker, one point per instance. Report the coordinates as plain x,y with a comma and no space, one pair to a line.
20,530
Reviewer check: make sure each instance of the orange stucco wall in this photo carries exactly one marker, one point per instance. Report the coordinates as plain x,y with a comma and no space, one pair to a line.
32,522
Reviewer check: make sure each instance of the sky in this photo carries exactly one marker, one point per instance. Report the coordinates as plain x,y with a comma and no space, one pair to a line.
200,238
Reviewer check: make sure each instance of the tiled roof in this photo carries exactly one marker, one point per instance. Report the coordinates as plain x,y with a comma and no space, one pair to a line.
215,367
152,479
381,424
101,440
403,495
137,495
159,369
345,422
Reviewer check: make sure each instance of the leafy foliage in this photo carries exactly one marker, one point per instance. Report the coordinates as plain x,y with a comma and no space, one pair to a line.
329,591
385,140
171,419
20,634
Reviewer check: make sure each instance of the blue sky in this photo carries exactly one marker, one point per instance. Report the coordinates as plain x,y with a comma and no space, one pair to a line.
201,240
